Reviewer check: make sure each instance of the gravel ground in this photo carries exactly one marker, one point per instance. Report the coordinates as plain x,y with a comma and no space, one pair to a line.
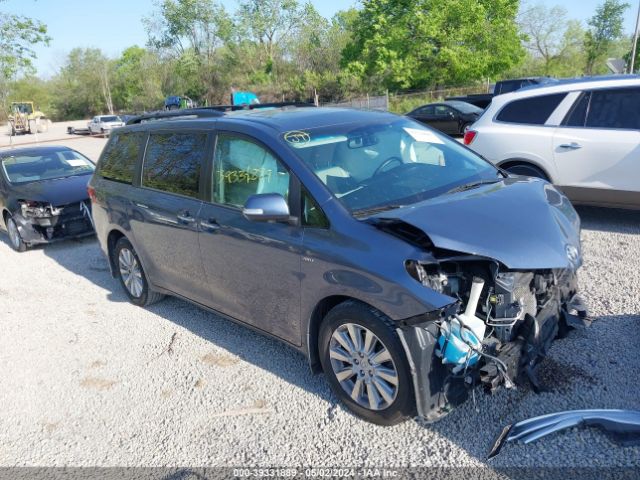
91,380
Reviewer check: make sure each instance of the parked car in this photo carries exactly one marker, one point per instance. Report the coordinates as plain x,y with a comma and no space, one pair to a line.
452,117
482,100
583,135
104,123
403,265
43,195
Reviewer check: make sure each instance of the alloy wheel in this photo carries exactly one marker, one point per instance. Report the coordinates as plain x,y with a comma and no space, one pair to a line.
363,366
130,272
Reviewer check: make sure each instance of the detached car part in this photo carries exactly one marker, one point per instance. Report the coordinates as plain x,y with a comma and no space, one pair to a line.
623,426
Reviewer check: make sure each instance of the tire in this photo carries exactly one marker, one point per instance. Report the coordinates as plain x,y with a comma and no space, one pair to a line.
464,127
526,170
376,398
15,241
125,259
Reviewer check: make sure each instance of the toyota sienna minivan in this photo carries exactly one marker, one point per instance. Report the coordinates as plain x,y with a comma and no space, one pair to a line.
404,266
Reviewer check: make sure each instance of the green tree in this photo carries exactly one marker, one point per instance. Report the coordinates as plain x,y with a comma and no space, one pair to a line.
605,27
18,36
138,80
402,44
83,85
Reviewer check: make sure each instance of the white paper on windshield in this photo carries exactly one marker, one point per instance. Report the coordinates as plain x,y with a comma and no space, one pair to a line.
77,163
423,135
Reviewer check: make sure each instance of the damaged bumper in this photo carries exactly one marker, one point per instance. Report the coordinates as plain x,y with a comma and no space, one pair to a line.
55,223
520,314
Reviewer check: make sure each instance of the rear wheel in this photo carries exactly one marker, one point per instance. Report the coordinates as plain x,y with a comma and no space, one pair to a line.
15,240
365,364
132,276
526,170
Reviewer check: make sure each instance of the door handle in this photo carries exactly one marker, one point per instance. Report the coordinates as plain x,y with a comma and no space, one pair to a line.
210,226
141,205
570,146
185,217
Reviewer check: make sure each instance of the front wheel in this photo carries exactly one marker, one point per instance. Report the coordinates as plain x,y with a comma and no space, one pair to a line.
365,364
15,239
132,276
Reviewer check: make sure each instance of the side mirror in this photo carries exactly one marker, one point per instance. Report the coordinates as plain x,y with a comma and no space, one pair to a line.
452,115
265,207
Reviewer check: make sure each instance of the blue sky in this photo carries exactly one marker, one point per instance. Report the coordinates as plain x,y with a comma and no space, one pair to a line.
113,25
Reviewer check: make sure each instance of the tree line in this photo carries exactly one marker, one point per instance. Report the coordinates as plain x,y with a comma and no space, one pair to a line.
284,49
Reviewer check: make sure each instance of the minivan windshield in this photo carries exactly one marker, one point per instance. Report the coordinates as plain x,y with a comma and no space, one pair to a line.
34,166
384,165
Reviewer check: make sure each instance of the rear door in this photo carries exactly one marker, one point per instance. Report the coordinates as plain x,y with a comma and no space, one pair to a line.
252,268
165,211
597,148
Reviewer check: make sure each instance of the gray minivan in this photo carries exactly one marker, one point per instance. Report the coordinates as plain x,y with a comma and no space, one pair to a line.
404,266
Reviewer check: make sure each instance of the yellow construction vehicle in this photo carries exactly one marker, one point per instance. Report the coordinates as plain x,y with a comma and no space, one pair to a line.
24,118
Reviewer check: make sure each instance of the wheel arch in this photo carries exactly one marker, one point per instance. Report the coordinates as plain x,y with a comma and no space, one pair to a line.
112,238
525,161
317,316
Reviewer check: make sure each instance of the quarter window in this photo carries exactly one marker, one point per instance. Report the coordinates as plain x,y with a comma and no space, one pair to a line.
120,157
173,162
312,214
619,108
243,168
530,111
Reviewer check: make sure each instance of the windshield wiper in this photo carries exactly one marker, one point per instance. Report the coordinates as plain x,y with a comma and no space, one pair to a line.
363,212
470,185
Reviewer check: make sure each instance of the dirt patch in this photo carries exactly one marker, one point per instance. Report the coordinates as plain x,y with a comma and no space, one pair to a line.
559,376
219,360
97,383
200,383
97,364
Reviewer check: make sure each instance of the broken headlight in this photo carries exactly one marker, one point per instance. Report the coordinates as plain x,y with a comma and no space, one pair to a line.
37,209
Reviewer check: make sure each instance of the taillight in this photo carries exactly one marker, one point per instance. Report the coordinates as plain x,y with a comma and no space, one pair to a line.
92,193
469,135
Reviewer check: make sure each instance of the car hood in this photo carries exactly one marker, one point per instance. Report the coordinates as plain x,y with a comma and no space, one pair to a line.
522,223
58,192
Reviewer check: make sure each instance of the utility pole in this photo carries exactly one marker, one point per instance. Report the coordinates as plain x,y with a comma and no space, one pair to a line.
635,41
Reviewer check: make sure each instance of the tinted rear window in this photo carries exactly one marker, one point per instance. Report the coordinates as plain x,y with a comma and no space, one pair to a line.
577,114
530,111
120,157
619,108
173,162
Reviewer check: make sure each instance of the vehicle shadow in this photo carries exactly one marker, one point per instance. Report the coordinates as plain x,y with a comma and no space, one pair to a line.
614,220
84,258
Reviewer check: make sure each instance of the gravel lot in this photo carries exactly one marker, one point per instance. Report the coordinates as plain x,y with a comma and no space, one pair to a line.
88,379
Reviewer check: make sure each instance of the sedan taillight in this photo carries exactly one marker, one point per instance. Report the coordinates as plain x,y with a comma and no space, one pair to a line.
469,135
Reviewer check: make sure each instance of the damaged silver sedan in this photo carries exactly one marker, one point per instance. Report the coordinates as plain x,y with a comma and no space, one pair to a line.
43,195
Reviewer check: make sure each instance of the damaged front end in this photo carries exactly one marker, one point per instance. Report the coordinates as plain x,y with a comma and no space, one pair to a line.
498,327
42,222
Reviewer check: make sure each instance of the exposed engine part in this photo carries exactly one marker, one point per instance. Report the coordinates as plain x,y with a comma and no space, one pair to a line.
461,336
512,299
38,209
622,425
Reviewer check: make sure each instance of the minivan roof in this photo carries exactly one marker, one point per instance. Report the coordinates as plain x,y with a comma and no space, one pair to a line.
281,119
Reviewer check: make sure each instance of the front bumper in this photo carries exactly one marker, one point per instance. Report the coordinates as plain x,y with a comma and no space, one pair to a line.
438,389
73,221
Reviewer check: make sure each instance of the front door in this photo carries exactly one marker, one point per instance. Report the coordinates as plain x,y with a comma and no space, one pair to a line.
165,211
253,268
597,150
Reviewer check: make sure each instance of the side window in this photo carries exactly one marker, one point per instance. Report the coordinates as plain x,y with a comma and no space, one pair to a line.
530,111
173,161
312,214
619,108
120,156
428,110
442,110
577,115
243,168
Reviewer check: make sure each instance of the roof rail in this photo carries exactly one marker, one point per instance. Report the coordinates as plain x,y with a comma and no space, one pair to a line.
213,111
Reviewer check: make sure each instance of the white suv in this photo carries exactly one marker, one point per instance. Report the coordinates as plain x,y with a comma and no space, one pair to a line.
582,135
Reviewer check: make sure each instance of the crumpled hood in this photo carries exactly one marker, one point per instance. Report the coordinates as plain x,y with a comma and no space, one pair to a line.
58,192
522,223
